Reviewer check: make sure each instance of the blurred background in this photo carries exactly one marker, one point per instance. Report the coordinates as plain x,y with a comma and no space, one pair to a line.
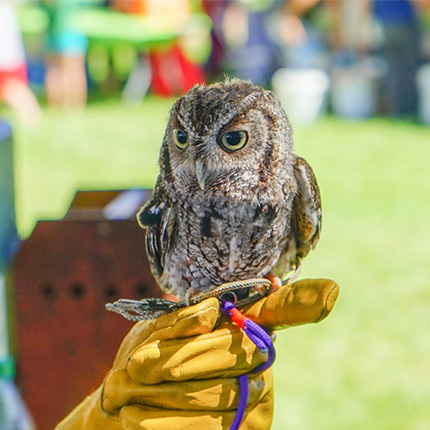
85,91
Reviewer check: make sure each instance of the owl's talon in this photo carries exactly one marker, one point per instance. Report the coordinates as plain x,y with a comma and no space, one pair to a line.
261,289
190,292
276,281
293,275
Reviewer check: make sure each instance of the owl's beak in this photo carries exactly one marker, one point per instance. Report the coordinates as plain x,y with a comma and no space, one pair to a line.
201,174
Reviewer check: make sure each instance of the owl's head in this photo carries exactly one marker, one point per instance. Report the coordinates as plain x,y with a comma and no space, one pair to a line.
232,131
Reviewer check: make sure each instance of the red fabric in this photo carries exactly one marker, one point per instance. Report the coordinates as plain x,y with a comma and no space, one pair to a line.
173,73
19,73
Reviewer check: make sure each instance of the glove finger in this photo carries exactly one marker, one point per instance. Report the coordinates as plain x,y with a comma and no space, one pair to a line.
191,321
303,302
221,394
136,417
144,417
225,352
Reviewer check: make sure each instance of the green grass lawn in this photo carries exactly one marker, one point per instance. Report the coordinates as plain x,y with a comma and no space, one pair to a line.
368,365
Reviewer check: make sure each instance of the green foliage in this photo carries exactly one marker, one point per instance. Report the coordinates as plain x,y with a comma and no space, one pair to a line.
367,365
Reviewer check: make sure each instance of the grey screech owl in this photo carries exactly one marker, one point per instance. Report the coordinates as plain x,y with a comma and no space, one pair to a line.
232,201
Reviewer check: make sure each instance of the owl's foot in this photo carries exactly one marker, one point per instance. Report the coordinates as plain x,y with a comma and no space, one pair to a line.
276,282
170,297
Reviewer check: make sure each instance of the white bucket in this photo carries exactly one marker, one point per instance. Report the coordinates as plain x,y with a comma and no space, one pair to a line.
301,93
423,85
354,90
352,96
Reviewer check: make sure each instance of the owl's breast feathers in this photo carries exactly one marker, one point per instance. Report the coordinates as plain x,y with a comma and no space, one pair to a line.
202,241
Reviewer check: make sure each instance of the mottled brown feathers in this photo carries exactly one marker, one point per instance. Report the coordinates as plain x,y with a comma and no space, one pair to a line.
232,201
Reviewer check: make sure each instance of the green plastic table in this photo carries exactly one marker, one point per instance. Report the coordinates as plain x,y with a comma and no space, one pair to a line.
107,27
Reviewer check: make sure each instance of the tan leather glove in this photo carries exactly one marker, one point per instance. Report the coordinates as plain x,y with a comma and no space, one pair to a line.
180,370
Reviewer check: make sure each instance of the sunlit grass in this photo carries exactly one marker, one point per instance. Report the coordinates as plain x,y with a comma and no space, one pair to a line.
106,146
368,365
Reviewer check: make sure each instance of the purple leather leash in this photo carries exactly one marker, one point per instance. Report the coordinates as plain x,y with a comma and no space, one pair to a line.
263,342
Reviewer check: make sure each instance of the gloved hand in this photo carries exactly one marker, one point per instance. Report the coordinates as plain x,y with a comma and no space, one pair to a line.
179,371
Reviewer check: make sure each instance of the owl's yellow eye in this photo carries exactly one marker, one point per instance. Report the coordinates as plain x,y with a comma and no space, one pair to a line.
234,140
180,138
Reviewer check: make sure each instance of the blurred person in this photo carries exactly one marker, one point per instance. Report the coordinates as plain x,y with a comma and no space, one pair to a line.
298,36
401,49
14,90
400,23
215,9
66,81
349,24
242,46
291,26
251,39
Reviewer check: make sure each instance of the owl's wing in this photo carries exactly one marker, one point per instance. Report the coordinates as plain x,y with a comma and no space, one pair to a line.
306,219
159,219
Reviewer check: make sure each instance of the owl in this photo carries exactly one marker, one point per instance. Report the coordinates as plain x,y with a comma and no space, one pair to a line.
232,201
